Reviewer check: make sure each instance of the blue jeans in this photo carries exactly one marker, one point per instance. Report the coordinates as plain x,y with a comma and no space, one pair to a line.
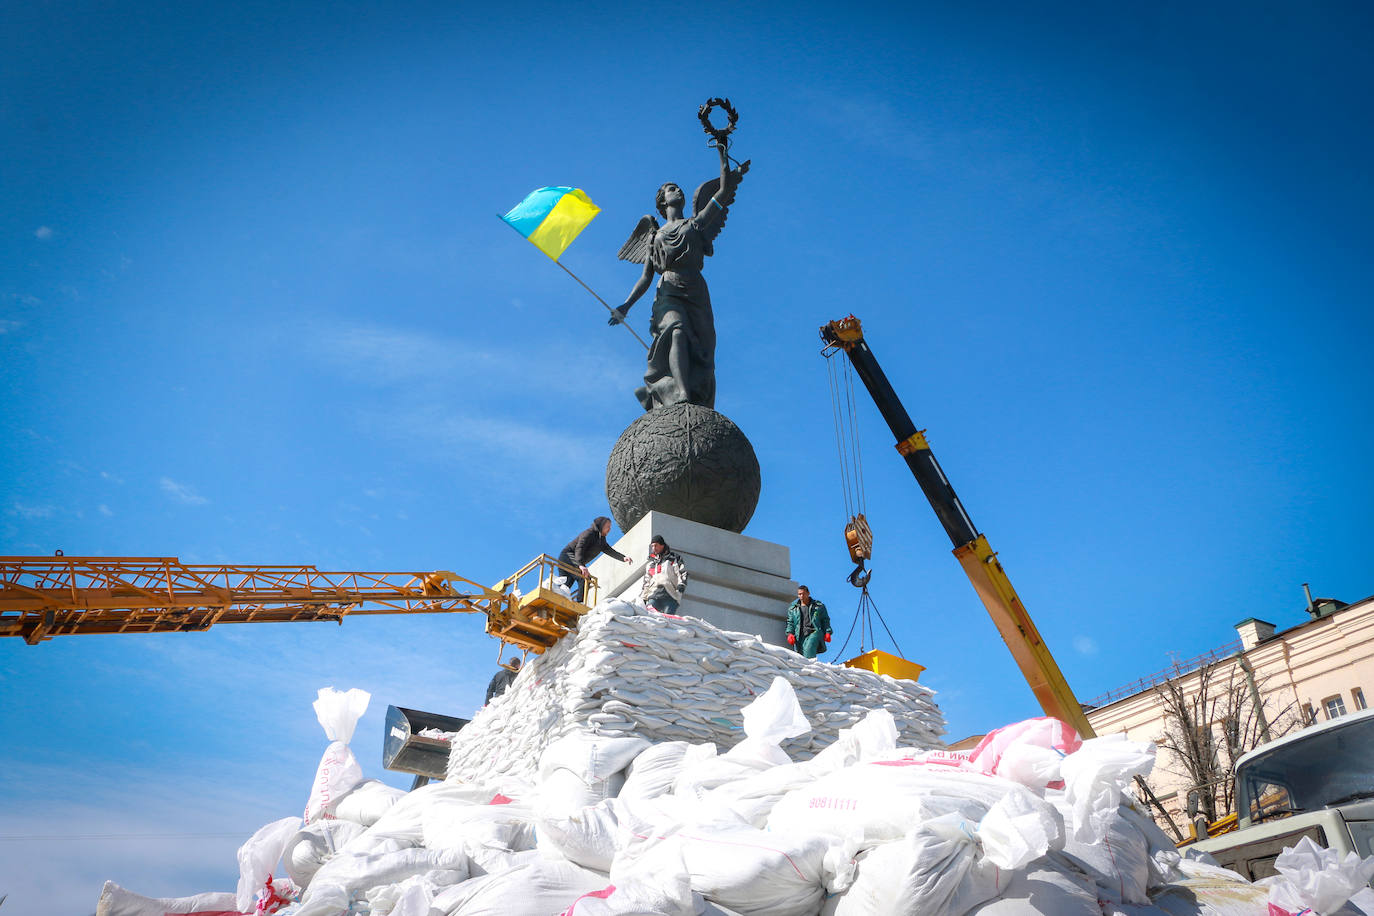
662,602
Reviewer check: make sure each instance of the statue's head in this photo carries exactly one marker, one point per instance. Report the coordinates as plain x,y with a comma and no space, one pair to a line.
668,193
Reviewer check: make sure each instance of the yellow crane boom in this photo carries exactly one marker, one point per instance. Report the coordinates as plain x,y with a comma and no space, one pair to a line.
43,597
971,548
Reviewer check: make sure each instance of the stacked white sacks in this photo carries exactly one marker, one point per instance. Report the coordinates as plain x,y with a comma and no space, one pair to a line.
660,678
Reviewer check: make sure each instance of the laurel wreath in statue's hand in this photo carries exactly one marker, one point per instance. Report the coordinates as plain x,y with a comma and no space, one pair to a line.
721,135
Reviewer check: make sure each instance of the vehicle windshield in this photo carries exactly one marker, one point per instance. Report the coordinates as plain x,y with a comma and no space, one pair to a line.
1323,769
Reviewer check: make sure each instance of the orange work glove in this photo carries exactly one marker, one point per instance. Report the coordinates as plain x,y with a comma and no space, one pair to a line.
791,640
827,637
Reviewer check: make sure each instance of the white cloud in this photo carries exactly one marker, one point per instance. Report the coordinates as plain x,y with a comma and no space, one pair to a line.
31,512
1085,645
113,478
389,355
104,510
182,493
43,233
8,326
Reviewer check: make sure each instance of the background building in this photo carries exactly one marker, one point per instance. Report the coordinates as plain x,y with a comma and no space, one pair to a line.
1204,713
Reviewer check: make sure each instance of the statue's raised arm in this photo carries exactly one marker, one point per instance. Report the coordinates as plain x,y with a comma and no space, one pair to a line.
711,202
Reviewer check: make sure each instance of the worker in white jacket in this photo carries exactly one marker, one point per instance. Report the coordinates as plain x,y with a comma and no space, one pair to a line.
665,578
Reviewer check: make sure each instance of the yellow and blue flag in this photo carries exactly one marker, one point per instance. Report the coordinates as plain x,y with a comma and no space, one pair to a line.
552,217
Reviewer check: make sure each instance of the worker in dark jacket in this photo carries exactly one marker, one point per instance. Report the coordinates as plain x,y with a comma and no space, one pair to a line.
501,679
586,547
808,624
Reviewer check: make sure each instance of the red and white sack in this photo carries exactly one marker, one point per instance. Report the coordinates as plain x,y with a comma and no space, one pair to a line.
880,802
258,858
1029,752
338,772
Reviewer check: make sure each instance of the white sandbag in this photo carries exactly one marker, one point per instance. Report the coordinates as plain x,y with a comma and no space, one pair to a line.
654,770
405,819
538,888
1095,779
338,773
258,858
1118,861
1043,890
410,897
753,872
1020,828
703,769
1164,856
346,874
881,801
366,802
770,720
116,901
315,844
583,769
498,827
593,836
935,870
637,891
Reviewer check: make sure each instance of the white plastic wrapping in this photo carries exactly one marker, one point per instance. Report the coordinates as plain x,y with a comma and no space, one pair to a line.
1095,778
1317,878
258,859
936,870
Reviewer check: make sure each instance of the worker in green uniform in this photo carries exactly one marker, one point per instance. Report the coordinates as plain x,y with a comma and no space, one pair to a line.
808,624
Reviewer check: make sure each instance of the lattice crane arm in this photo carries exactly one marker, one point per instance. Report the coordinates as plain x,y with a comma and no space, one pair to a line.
43,597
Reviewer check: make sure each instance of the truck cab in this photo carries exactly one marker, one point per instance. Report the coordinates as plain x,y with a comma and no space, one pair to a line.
1318,783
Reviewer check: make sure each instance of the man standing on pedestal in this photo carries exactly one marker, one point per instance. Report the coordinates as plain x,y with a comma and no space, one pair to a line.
665,578
808,624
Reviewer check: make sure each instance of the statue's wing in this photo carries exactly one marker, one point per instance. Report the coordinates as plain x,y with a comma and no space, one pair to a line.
636,247
725,197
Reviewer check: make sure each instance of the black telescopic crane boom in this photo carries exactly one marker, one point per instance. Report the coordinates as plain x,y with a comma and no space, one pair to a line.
971,549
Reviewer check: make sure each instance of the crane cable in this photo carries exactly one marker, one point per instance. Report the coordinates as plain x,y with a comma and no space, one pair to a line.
847,436
852,489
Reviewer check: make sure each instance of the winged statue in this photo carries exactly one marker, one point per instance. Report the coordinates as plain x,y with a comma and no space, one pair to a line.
681,363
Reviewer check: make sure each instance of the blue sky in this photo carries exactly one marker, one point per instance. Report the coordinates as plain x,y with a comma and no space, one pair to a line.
255,307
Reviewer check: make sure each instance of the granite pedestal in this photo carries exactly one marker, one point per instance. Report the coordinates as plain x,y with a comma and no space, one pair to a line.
733,581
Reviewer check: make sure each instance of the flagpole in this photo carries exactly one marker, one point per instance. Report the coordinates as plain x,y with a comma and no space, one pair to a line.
603,302
583,285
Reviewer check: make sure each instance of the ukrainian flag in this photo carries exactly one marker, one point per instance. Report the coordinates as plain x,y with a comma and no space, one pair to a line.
552,217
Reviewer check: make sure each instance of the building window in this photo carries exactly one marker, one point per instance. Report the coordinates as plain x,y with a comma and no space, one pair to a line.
1357,695
1309,713
1335,707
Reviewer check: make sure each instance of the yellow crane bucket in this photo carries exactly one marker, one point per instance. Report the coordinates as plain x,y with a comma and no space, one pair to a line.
880,662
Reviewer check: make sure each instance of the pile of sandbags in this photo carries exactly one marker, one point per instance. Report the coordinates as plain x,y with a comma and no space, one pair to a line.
625,672
1032,821
617,821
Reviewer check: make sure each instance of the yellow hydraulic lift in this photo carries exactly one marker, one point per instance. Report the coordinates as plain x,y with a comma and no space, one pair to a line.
971,549
43,597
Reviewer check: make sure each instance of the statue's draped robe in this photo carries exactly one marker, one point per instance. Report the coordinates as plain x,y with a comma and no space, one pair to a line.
677,252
